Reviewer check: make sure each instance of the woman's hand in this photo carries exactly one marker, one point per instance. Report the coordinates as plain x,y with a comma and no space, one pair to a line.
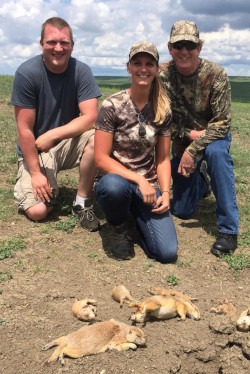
162,204
147,191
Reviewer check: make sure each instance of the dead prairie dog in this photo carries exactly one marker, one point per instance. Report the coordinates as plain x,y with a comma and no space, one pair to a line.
97,338
168,292
121,294
85,309
243,322
163,307
226,308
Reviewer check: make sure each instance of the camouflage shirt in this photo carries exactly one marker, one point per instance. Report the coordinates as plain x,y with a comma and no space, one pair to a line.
118,115
199,101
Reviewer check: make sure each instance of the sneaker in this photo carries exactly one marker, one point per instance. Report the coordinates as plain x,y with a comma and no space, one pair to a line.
121,244
203,171
86,216
225,244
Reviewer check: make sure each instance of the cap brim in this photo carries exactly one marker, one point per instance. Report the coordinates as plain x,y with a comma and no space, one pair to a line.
185,37
132,55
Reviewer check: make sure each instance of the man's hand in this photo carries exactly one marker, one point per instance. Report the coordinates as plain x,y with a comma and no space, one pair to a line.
41,187
187,165
45,141
194,134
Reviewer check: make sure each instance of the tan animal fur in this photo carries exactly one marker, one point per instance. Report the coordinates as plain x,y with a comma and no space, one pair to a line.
243,322
225,307
85,309
163,307
96,338
229,310
168,292
121,294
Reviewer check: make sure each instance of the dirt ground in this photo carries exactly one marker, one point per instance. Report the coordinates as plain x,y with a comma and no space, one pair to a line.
57,266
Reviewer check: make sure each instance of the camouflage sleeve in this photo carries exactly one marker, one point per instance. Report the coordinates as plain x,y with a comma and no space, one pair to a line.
106,117
181,116
219,125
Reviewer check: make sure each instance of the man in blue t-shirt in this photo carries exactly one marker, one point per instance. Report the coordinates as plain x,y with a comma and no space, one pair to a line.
56,104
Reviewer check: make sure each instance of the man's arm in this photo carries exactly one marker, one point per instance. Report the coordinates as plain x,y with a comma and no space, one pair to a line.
219,124
85,122
25,119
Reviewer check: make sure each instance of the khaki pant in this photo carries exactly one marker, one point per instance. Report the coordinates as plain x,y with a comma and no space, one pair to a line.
65,155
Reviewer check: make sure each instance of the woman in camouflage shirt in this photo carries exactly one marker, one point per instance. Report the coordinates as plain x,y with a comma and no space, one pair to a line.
132,143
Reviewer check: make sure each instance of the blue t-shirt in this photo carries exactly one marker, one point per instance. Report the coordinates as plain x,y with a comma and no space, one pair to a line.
55,97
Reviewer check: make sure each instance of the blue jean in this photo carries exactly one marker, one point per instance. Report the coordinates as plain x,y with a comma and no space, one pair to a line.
117,197
188,191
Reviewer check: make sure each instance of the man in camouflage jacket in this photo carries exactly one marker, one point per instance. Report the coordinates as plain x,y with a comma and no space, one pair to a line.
200,95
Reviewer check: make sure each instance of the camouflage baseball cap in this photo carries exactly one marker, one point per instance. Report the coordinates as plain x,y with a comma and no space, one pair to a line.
184,30
144,47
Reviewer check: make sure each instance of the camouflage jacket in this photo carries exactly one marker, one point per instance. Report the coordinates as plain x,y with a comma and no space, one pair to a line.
119,116
199,101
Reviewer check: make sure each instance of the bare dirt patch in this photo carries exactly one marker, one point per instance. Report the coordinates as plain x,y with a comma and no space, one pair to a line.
57,266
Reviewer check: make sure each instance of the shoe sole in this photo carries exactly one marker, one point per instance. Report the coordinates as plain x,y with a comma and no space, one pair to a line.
218,253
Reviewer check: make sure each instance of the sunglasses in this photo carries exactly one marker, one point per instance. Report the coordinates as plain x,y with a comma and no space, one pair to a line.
190,46
142,123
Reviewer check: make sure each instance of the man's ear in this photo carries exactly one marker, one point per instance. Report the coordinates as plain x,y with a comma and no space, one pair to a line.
169,48
199,48
41,44
128,67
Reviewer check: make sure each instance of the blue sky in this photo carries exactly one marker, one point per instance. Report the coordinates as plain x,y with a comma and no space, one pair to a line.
105,30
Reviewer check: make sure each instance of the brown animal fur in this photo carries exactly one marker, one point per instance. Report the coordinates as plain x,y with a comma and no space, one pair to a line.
243,322
168,292
121,294
85,309
163,307
96,338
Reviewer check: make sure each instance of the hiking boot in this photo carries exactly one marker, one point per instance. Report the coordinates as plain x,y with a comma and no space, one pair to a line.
121,243
225,244
86,216
203,171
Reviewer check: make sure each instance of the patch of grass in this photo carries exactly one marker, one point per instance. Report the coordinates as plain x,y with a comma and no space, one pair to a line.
6,202
10,246
172,279
184,263
43,268
4,322
67,224
5,276
150,264
91,255
6,83
237,261
46,228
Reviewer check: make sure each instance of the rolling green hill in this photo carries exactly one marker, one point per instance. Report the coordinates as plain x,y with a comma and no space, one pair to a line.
240,85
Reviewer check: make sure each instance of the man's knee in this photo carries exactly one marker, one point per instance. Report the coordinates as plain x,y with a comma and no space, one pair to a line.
90,144
179,210
38,212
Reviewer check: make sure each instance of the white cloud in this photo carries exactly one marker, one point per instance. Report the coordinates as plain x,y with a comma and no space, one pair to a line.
105,30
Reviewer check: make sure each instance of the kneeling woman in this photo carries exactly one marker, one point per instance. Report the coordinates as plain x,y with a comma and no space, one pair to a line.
132,143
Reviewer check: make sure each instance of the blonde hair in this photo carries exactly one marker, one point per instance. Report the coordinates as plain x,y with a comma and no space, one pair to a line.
160,101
